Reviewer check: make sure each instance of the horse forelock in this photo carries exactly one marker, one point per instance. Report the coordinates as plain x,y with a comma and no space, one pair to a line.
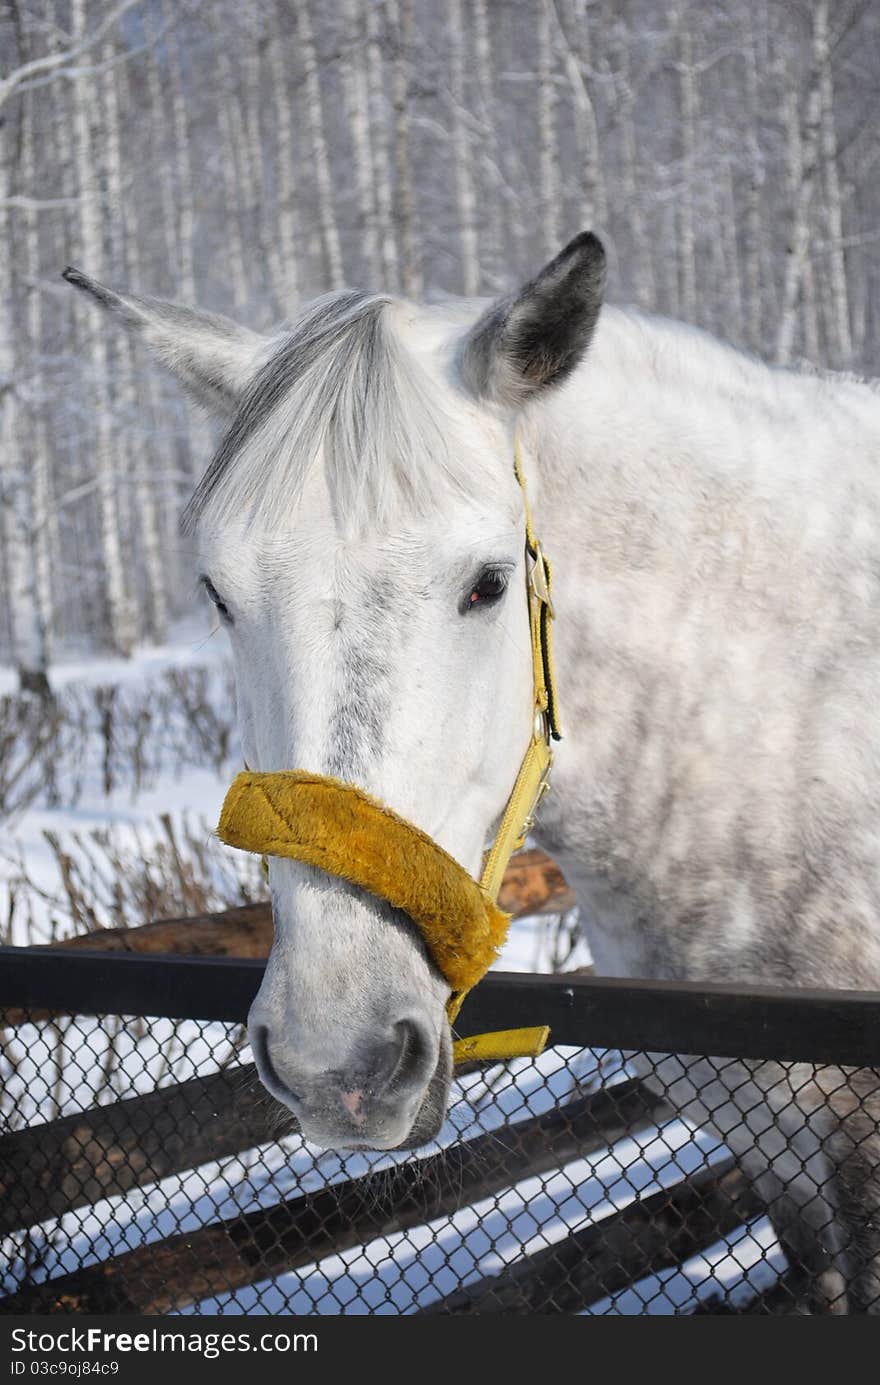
341,385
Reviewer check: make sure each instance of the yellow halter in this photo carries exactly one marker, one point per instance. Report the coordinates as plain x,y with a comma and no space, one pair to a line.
341,829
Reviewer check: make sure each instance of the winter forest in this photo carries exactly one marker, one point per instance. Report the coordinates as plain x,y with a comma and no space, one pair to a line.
247,156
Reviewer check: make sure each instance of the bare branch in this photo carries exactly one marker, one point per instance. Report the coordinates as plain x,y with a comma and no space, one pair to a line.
50,62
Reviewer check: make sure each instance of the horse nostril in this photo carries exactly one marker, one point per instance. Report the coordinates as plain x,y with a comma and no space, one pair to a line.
413,1054
266,1068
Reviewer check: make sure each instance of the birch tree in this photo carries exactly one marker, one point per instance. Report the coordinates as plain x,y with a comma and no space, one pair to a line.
354,85
463,172
630,190
198,437
137,450
27,648
400,14
326,211
803,147
286,273
836,296
548,154
687,95
752,224
383,188
492,237
576,49
41,507
120,609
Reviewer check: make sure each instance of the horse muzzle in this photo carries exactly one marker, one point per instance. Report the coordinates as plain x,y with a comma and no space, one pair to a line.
388,1092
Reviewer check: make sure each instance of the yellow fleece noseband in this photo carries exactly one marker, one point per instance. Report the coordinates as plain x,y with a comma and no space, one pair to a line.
342,830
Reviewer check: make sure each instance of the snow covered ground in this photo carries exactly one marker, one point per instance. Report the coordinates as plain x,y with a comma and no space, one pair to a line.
188,791
393,1274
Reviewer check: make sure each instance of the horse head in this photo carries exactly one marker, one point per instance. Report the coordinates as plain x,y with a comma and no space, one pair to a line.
360,532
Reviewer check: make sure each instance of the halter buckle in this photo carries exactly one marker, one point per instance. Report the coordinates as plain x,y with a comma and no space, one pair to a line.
530,821
538,579
543,788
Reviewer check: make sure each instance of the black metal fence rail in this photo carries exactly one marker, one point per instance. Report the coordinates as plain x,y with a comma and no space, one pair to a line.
630,1197
814,1026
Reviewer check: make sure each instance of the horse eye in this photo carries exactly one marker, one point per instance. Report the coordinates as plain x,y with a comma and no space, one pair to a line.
222,608
488,589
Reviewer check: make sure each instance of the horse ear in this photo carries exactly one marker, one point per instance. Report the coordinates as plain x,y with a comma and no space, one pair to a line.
212,357
536,337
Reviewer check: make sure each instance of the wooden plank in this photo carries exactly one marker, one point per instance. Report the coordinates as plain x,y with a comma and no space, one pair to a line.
242,932
47,1170
657,1233
171,1273
533,884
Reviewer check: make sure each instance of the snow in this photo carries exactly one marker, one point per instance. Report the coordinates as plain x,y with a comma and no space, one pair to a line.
56,1071
191,641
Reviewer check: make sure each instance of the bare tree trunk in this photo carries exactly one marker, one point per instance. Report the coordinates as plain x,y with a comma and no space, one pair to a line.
27,631
146,491
752,228
837,311
730,316
864,278
810,298
493,235
576,56
247,105
795,147
400,13
184,224
385,224
243,160
548,152
668,267
38,434
357,109
120,609
687,238
167,226
198,436
28,649
461,155
287,285
66,449
315,124
802,167
630,192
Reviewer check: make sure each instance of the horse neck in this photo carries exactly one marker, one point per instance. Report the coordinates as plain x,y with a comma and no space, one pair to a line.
687,498
667,448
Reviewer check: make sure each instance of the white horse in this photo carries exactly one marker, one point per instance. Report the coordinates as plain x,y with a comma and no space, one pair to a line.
715,531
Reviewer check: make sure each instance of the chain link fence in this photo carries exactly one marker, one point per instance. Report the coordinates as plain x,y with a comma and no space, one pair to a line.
144,1169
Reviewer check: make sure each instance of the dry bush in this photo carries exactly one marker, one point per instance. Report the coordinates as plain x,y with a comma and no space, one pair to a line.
127,737
38,736
118,877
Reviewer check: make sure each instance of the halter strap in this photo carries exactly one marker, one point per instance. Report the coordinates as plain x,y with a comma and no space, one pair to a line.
533,779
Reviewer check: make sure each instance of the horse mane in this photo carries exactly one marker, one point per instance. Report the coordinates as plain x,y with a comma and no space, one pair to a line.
342,385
